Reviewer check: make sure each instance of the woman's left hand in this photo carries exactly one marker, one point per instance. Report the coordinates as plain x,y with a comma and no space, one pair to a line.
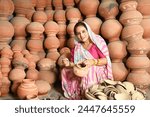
88,62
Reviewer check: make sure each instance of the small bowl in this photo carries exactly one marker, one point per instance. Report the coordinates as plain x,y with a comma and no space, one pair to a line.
80,69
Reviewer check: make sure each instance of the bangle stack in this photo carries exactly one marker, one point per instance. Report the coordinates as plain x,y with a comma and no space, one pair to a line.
98,62
95,61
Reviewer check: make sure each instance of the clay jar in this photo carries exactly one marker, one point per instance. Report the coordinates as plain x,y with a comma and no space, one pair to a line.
58,4
145,24
138,47
6,33
47,70
59,17
80,70
110,33
32,73
144,7
140,78
43,87
132,32
27,87
117,50
68,3
130,15
6,9
39,16
19,24
51,29
94,23
89,7
119,71
108,9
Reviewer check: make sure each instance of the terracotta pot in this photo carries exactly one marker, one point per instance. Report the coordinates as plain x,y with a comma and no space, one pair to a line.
48,75
89,7
80,70
135,62
108,9
39,16
27,87
140,78
94,23
6,8
117,50
58,4
119,71
143,6
17,74
43,87
131,18
68,3
32,72
109,33
32,97
46,64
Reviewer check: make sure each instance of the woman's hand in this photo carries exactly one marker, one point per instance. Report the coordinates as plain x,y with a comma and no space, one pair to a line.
88,62
66,62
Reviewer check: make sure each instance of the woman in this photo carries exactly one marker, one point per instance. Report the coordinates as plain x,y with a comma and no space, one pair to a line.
92,50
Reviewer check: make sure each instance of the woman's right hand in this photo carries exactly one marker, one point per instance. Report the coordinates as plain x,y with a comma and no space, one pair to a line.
66,62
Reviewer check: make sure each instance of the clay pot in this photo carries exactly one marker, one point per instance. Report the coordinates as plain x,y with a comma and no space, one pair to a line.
135,62
58,4
108,9
39,16
117,51
48,75
73,14
140,78
50,14
32,97
89,7
32,73
6,9
53,54
43,87
6,33
131,18
119,71
48,5
41,4
94,23
145,24
6,52
110,33
132,32
46,64
143,6
68,3
17,74
80,70
138,47
22,6
27,87
15,85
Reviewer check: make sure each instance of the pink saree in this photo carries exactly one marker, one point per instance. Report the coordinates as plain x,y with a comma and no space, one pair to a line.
74,86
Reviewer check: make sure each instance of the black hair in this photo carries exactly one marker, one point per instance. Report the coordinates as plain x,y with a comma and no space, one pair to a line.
80,23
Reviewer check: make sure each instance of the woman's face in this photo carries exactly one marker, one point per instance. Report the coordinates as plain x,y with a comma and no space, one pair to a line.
82,33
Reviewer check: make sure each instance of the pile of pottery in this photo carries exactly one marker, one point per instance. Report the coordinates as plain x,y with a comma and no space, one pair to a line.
114,90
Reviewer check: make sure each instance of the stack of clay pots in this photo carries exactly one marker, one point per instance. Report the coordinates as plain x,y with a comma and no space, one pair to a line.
38,34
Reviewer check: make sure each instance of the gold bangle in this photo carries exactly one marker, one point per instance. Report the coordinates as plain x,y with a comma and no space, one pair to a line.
98,62
95,61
